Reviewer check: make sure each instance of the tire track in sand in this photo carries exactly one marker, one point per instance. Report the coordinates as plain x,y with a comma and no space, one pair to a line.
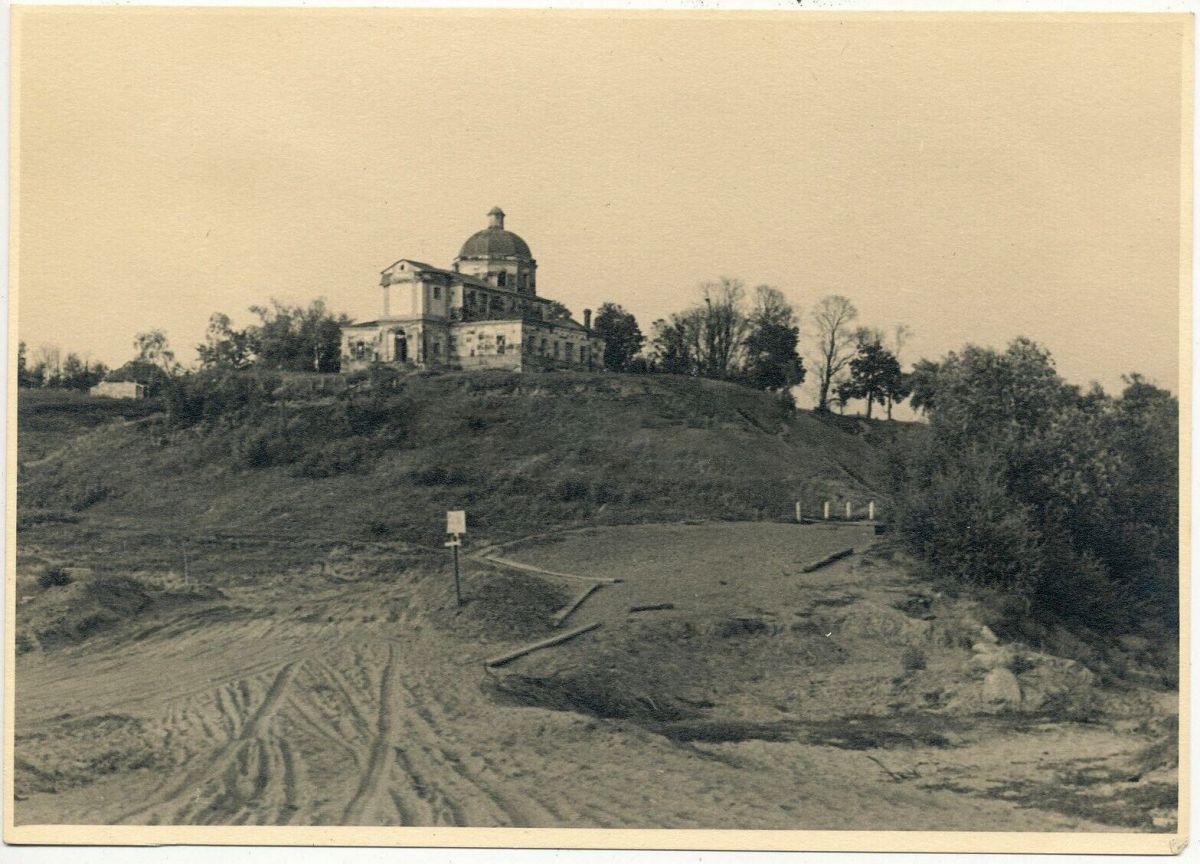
227,755
373,788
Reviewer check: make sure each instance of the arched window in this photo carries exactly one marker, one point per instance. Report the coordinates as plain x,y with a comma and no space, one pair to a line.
521,281
502,278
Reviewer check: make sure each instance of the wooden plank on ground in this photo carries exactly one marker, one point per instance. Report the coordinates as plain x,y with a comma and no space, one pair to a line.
651,607
545,643
828,559
576,603
517,565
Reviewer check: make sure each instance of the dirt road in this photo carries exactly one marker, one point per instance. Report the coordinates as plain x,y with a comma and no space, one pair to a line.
364,705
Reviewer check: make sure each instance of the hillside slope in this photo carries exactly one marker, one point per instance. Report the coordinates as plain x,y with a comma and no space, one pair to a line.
251,620
519,453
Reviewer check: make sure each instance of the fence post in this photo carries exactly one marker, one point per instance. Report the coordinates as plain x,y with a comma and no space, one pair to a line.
826,511
847,509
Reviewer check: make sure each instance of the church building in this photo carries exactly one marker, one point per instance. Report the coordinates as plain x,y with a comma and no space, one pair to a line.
483,313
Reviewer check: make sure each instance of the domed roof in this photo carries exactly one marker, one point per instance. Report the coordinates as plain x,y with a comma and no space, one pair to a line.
494,241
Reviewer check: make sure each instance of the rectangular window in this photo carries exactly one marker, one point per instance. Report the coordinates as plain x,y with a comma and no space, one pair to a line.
555,349
437,292
500,345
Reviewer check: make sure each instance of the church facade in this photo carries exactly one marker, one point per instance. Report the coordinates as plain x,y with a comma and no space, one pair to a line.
483,313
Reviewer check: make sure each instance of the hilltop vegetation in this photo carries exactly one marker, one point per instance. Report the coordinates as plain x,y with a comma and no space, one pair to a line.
383,457
1063,503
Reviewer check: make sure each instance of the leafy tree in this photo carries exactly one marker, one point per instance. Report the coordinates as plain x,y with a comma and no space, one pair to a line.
921,384
833,317
49,361
874,374
1067,501
722,328
673,341
224,347
29,376
152,347
899,389
709,338
623,338
77,374
295,338
772,362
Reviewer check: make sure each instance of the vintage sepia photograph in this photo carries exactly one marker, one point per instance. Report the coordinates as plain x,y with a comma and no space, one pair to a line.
686,421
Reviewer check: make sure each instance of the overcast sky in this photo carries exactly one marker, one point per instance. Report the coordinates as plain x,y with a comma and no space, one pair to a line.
976,178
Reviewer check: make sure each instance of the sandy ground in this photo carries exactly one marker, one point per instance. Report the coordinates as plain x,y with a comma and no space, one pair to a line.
369,704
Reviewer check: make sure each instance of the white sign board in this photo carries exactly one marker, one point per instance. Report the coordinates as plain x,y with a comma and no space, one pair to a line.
456,521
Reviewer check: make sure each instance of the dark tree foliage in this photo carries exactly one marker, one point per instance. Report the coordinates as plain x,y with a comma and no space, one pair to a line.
224,347
874,376
1066,501
29,376
74,373
296,339
672,345
623,338
921,383
80,375
772,362
285,339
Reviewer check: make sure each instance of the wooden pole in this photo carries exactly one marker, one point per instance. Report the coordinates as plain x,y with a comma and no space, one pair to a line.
871,511
826,511
545,643
828,559
799,515
457,585
569,610
847,509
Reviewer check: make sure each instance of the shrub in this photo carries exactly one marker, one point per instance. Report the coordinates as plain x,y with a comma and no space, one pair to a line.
54,576
960,518
913,659
92,494
571,489
438,475
337,457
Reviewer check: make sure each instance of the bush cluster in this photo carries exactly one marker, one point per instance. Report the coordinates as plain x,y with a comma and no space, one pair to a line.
1063,500
319,438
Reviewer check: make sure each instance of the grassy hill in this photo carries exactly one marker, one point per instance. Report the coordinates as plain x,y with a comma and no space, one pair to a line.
519,453
272,549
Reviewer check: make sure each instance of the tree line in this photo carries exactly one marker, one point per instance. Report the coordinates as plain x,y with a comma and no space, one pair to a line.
753,337
282,338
